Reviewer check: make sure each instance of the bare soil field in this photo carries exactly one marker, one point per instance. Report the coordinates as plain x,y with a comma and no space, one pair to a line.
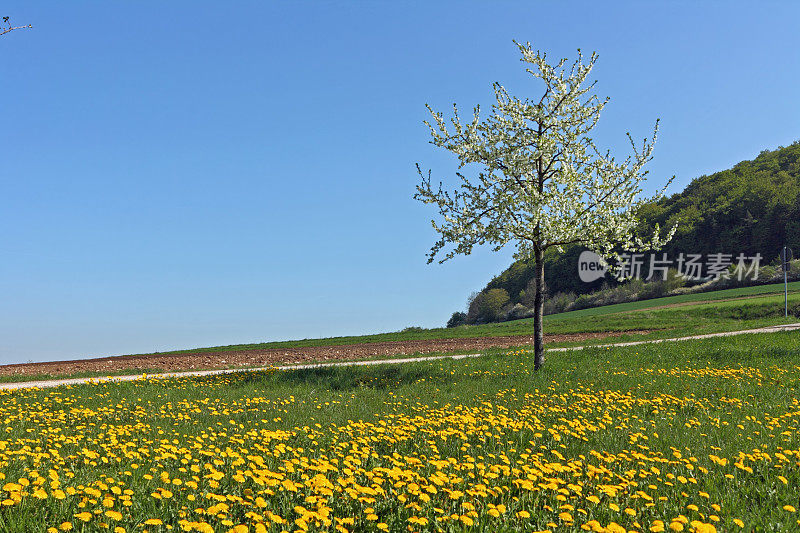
278,356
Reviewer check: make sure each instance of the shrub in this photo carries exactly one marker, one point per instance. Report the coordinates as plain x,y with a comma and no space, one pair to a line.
474,308
682,290
674,281
527,296
517,312
583,301
768,273
457,319
559,302
662,286
491,304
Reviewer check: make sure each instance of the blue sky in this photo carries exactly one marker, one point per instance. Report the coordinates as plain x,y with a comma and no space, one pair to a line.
180,174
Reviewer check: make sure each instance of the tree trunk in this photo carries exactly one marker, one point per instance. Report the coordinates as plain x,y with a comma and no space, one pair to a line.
538,312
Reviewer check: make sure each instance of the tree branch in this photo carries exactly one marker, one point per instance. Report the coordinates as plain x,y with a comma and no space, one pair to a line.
8,28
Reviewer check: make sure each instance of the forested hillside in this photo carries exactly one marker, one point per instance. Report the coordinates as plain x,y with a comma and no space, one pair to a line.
751,208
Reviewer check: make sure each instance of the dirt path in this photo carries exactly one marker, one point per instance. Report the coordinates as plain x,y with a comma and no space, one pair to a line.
75,381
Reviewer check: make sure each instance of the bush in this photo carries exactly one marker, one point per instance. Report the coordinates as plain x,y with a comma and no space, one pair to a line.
490,304
474,308
412,328
583,301
559,303
630,291
673,282
662,287
517,312
457,319
768,273
682,290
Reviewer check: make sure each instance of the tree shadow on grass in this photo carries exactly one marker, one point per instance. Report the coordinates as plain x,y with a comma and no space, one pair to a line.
347,378
377,377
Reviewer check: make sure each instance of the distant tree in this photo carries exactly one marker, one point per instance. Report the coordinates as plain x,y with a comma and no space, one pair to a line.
6,27
491,304
544,184
456,319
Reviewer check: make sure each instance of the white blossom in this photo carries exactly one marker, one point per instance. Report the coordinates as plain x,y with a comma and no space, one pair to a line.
542,183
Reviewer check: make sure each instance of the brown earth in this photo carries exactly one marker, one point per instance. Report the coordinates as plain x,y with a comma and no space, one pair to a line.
276,356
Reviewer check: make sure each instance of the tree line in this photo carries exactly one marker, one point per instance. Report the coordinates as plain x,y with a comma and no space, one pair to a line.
752,208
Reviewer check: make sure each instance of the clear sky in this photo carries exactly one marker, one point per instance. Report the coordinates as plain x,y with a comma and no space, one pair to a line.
182,174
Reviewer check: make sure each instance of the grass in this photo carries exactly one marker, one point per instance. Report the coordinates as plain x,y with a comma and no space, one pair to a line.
689,435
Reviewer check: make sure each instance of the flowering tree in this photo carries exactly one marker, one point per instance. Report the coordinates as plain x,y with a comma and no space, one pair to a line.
542,181
6,26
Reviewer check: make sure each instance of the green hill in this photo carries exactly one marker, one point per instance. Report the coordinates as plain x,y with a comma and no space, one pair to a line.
751,208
